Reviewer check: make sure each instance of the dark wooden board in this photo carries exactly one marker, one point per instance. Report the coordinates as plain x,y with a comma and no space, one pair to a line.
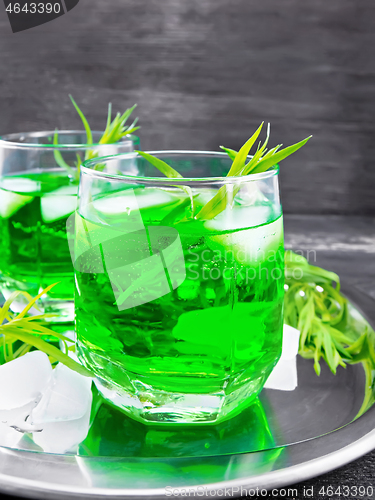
207,72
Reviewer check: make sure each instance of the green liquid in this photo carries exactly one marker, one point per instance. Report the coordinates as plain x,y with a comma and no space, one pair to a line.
114,434
180,456
34,250
201,349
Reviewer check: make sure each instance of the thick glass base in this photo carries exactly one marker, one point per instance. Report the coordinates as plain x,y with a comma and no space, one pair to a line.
152,405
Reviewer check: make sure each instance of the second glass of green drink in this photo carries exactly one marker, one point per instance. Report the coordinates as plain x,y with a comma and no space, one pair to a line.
179,284
38,192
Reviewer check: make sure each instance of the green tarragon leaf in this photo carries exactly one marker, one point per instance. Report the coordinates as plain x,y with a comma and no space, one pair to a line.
261,161
84,121
59,158
318,309
230,152
266,163
113,133
241,157
29,331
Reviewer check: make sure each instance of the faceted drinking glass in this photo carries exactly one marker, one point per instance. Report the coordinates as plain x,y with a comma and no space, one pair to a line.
179,284
38,192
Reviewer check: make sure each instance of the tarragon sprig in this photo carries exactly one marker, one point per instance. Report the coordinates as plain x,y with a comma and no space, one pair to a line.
170,172
315,306
21,332
261,161
115,130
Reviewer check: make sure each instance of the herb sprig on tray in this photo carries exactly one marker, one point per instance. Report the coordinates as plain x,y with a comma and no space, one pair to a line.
115,130
329,331
262,160
22,332
315,306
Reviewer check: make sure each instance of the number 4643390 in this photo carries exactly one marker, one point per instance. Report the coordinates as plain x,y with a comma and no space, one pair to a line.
34,8
347,491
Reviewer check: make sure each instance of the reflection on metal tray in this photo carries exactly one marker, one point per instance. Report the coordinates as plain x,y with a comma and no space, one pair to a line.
319,405
270,444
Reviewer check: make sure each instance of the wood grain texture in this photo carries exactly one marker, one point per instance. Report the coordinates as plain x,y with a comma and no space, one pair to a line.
206,72
356,474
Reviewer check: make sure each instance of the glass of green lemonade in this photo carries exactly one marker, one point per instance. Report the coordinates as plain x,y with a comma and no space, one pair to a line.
179,316
36,198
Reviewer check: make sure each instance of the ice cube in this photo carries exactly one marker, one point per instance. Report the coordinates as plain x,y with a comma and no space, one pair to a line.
234,218
23,380
67,397
10,203
250,194
54,406
290,342
284,375
249,246
59,203
69,190
18,418
19,185
9,437
133,199
61,437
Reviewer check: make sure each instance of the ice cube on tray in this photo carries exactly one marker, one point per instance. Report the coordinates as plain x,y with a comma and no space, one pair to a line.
24,379
284,376
67,397
54,405
62,437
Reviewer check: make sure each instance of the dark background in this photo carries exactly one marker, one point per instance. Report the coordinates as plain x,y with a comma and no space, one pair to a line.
207,72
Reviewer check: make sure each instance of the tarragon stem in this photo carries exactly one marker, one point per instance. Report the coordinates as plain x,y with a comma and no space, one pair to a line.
84,121
29,330
261,161
113,133
169,172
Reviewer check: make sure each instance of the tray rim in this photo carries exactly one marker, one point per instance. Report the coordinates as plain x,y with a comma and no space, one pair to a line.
305,470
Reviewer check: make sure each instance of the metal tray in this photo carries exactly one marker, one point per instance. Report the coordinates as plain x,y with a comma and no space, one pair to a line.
285,438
